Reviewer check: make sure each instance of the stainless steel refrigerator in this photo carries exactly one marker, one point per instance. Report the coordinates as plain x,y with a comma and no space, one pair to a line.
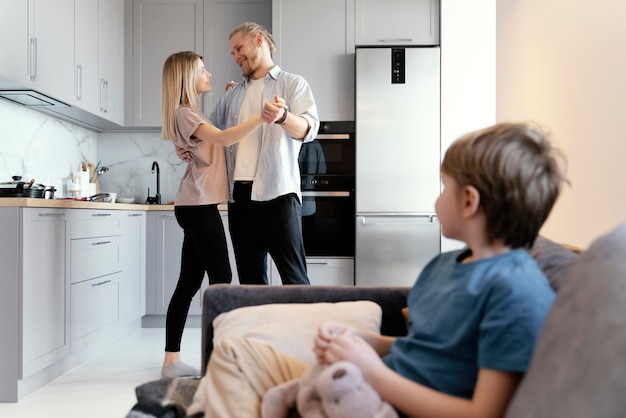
397,163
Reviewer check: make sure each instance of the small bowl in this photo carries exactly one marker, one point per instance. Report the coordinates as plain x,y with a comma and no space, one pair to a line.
125,200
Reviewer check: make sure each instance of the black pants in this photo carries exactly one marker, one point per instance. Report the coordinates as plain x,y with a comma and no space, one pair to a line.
204,250
257,228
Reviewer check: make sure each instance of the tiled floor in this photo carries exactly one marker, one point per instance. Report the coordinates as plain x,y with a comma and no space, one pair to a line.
104,387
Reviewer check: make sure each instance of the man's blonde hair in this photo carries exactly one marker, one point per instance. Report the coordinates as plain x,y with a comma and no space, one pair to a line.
251,28
180,73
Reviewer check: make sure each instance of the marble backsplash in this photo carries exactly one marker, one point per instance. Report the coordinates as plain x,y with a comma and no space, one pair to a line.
129,157
36,146
49,150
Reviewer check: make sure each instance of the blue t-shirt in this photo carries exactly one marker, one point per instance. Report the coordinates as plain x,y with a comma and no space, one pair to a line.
463,317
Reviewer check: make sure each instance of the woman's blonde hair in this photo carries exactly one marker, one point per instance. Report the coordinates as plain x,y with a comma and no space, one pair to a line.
180,73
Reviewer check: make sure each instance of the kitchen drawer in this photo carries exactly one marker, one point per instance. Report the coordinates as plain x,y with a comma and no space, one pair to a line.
95,257
324,271
330,271
94,305
87,223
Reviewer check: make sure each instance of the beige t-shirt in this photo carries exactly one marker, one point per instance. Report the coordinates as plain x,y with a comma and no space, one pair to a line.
204,181
249,147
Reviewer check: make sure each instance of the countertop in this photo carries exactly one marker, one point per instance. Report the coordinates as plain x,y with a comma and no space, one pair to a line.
77,204
83,204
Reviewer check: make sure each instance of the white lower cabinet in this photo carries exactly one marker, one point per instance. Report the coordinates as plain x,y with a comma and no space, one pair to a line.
132,282
95,305
325,271
44,319
107,272
72,285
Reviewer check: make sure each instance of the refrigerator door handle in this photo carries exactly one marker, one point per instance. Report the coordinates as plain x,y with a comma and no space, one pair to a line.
394,218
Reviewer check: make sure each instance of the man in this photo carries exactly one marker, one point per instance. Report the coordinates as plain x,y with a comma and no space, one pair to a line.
265,210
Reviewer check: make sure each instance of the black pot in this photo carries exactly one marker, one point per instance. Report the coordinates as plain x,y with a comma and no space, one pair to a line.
18,188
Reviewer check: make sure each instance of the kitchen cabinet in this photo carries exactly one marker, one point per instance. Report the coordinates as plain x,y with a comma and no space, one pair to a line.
71,285
34,321
37,45
397,22
325,60
107,272
45,289
96,266
159,28
99,58
162,27
132,282
324,271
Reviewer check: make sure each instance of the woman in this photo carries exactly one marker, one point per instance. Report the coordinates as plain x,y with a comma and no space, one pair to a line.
201,188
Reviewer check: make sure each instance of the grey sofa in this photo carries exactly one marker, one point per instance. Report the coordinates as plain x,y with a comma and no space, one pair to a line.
579,365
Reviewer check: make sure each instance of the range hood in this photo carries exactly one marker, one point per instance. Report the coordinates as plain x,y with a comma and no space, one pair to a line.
31,98
28,97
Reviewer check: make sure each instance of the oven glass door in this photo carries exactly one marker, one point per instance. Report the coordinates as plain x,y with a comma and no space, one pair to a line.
328,223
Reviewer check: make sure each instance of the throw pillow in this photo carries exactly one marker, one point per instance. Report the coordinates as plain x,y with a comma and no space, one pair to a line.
291,327
578,366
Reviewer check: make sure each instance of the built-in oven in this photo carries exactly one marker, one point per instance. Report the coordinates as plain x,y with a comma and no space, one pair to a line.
327,166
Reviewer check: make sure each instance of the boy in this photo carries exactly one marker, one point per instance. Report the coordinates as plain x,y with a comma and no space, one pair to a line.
474,314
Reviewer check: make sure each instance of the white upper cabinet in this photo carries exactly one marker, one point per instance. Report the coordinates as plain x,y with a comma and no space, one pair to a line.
111,60
160,28
315,39
99,58
397,22
86,90
37,45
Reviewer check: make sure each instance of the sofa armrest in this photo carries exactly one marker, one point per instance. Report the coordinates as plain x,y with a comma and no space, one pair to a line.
219,298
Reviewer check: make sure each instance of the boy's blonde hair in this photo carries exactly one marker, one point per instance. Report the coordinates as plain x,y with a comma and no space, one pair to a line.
518,174
180,72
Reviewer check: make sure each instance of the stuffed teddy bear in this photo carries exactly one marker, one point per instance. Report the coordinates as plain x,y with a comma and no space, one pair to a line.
334,391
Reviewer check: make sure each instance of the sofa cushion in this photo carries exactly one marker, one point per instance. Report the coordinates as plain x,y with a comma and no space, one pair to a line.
553,259
291,327
578,368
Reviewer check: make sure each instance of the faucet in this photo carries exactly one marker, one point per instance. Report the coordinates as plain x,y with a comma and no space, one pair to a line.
156,199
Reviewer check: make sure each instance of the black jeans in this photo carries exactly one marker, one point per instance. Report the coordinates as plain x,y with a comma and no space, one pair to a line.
257,228
204,250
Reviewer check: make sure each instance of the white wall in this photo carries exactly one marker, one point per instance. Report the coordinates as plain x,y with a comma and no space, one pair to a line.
562,63
468,72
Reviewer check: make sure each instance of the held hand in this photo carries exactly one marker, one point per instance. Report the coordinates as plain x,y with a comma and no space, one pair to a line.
230,85
183,154
273,112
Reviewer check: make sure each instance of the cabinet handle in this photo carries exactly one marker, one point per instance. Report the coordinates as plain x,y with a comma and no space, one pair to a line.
317,263
101,283
100,214
396,40
101,243
135,214
33,59
79,82
60,215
